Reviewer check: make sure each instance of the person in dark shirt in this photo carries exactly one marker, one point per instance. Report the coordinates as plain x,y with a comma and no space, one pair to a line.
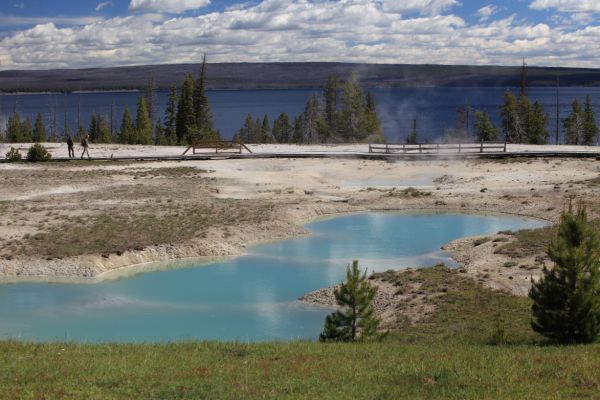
70,146
85,145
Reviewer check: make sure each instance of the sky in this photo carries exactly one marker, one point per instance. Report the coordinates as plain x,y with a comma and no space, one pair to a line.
45,34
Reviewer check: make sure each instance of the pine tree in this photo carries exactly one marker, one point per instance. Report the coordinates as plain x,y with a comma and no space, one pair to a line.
536,125
311,119
356,318
566,300
330,93
186,118
150,97
93,129
371,124
26,131
352,113
13,129
104,135
170,120
202,111
143,125
590,128
127,131
511,118
246,132
484,129
298,135
282,130
573,124
265,131
39,130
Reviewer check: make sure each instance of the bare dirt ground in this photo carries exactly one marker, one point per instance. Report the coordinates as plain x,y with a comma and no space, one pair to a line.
80,220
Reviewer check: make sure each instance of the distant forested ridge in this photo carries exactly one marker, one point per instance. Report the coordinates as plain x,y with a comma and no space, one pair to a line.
230,76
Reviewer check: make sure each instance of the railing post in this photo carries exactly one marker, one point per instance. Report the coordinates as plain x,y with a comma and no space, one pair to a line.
370,151
404,147
459,145
420,150
387,150
481,150
505,146
438,148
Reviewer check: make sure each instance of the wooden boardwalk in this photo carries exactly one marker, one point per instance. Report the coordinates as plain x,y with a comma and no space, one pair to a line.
339,155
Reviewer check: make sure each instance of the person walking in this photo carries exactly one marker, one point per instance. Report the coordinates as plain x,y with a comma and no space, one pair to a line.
85,145
70,146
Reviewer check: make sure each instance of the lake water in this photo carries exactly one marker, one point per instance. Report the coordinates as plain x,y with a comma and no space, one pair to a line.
249,298
434,108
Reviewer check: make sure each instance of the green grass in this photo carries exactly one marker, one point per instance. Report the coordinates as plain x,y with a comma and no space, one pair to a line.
448,356
297,370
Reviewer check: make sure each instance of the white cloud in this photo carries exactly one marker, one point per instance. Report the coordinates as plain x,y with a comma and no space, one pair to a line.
19,5
167,6
424,7
484,13
301,30
11,20
570,6
103,5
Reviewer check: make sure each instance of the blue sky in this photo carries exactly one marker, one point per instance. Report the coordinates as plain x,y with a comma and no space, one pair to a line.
38,34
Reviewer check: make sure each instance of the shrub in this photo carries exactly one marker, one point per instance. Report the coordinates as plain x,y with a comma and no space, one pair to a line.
37,152
355,296
566,300
13,155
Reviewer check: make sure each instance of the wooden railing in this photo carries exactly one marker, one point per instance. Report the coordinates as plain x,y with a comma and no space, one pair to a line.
217,146
439,148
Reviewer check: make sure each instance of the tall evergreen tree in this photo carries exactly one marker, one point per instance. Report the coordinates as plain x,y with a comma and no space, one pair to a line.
352,113
512,125
537,123
26,131
150,97
573,124
265,131
566,300
127,131
311,115
330,93
202,111
104,135
170,120
371,124
282,129
143,125
13,129
93,130
298,136
39,129
247,131
484,129
356,318
186,118
590,127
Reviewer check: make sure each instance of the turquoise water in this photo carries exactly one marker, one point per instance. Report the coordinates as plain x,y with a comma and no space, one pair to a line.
249,298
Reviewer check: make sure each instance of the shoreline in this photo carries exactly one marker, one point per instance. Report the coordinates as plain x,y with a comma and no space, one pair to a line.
150,266
47,209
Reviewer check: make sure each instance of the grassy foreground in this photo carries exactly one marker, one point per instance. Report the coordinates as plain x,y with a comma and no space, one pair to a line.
451,355
298,370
